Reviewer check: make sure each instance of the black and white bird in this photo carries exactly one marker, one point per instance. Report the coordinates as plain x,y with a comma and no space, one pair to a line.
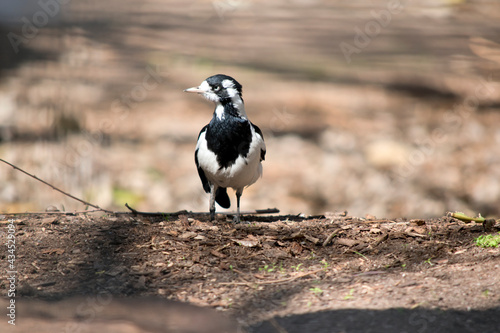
230,148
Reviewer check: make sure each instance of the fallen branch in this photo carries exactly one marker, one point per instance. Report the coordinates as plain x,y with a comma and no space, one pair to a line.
136,212
181,212
55,188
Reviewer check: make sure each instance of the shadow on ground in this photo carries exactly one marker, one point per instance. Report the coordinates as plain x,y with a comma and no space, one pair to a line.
105,313
388,321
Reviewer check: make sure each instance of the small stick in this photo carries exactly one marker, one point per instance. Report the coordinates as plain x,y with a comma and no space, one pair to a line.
263,211
465,218
329,238
251,212
247,212
273,281
136,212
55,188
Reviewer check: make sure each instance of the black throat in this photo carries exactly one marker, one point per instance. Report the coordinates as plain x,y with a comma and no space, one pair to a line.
229,108
229,137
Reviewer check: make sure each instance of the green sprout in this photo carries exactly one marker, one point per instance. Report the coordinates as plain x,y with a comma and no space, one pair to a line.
349,294
316,291
485,241
268,268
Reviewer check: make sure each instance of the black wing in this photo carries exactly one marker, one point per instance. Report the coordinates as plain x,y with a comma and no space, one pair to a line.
201,173
262,151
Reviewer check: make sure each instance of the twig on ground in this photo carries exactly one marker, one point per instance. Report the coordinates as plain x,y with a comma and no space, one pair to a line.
487,223
251,212
273,281
462,217
329,238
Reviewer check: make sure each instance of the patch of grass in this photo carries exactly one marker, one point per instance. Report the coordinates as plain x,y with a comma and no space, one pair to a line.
268,268
298,268
277,267
485,241
316,290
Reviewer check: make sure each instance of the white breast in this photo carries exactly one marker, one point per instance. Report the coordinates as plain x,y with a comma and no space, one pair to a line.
243,172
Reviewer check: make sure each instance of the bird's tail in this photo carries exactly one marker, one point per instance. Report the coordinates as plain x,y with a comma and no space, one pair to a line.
222,198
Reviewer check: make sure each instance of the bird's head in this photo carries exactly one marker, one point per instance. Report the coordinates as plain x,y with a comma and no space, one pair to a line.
219,88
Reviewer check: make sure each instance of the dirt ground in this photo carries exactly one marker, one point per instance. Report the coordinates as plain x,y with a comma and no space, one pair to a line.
331,273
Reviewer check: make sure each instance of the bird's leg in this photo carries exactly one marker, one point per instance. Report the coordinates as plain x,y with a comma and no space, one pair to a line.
213,190
238,196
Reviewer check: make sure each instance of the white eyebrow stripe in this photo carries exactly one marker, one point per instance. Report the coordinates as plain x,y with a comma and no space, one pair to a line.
227,83
231,90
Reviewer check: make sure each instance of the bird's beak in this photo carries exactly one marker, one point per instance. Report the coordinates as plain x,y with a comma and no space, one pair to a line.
195,90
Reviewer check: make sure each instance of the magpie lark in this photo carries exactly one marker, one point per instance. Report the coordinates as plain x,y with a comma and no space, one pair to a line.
230,148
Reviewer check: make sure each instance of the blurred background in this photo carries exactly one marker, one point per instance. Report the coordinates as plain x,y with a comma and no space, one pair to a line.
381,107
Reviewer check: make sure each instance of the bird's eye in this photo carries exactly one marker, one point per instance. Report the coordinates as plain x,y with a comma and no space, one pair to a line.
216,88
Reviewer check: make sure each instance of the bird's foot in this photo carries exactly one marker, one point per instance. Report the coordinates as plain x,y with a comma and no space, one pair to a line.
237,220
